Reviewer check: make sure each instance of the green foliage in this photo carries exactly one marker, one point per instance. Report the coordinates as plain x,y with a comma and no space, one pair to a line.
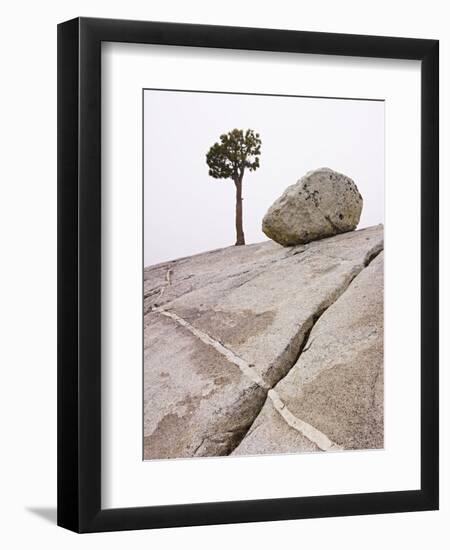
235,152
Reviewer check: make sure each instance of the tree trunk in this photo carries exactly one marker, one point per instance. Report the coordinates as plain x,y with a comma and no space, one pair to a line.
240,239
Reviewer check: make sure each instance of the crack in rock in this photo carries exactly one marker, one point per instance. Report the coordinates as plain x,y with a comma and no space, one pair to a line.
307,430
310,432
314,435
283,363
245,368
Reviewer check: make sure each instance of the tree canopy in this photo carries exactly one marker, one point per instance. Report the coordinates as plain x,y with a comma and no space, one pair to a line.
235,152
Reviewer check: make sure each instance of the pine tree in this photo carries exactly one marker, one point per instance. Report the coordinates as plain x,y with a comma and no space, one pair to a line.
229,158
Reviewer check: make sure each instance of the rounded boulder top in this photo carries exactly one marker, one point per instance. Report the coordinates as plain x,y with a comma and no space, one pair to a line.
321,204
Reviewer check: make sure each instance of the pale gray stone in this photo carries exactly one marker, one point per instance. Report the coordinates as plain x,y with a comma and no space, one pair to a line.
196,403
270,434
239,310
263,310
337,383
322,203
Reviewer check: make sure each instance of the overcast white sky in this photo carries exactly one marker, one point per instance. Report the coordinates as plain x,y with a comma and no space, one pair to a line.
187,212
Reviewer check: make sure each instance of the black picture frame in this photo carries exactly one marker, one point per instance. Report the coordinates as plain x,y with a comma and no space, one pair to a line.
79,274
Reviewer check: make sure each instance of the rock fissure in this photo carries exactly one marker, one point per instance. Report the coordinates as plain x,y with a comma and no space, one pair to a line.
307,430
322,308
245,368
212,325
372,254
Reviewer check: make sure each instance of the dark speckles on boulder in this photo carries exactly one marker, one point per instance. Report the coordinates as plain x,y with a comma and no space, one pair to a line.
330,204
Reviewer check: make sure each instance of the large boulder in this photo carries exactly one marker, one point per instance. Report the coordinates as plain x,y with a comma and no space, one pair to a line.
321,204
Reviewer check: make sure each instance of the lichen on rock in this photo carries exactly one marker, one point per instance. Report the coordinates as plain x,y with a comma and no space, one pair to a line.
321,204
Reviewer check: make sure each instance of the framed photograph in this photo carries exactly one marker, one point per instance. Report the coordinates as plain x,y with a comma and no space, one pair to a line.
247,274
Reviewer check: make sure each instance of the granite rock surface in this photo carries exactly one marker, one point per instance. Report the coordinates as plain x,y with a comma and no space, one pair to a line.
265,349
